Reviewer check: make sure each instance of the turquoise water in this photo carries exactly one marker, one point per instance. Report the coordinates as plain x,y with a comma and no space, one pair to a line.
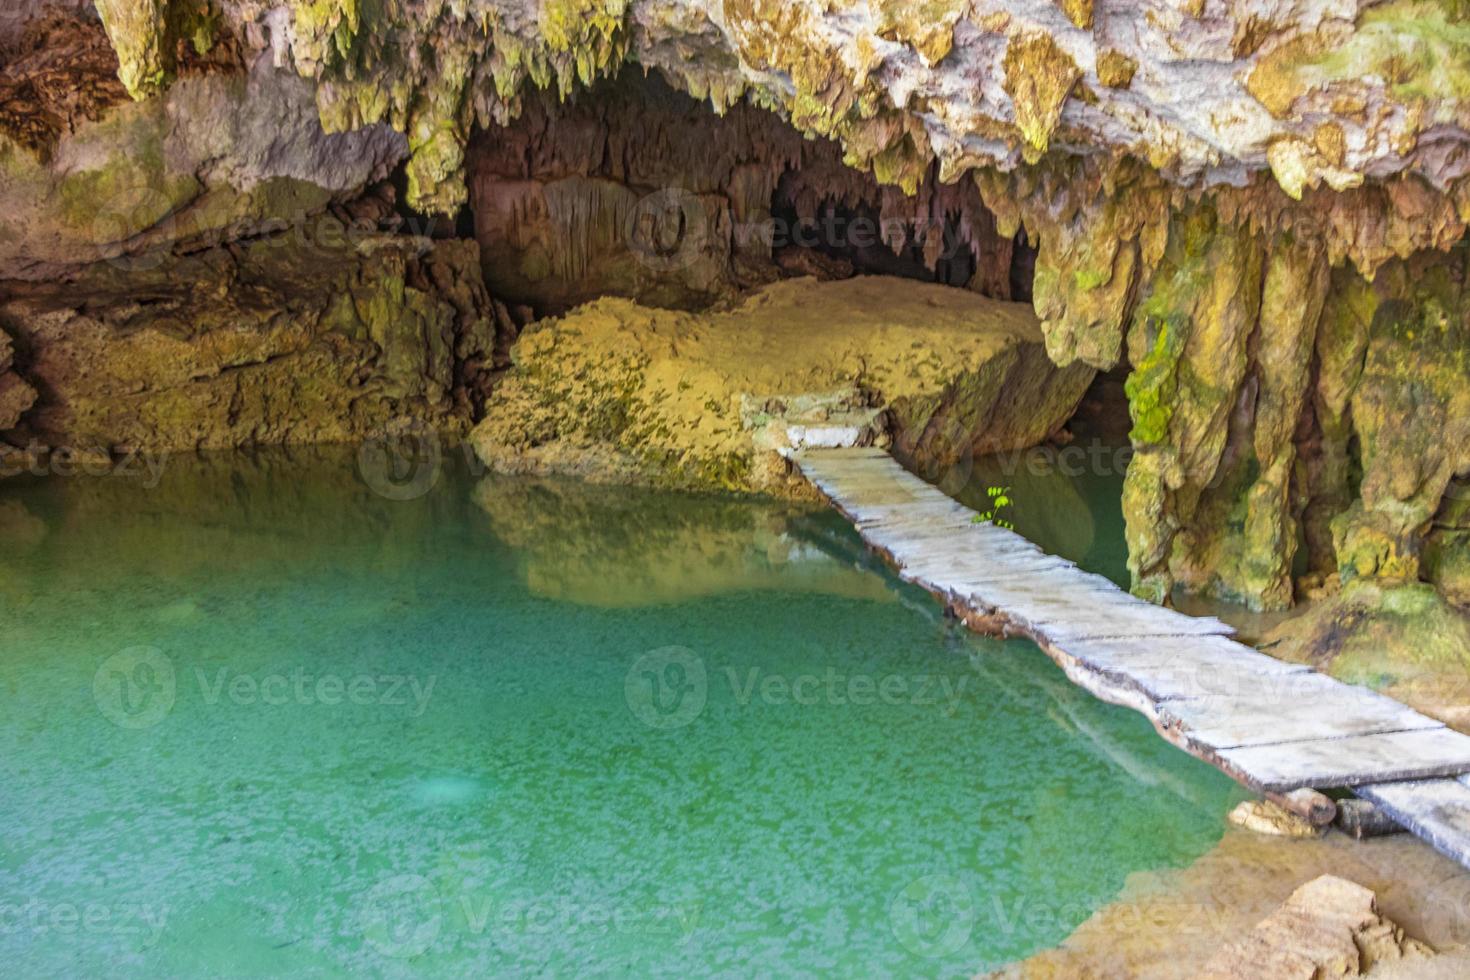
259,719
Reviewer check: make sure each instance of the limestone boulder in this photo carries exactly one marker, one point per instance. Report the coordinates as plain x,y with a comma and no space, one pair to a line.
614,390
16,396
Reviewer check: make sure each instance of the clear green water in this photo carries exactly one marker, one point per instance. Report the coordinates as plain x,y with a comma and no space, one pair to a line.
260,720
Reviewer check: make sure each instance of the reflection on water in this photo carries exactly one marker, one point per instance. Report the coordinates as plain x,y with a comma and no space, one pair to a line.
1066,499
261,720
611,547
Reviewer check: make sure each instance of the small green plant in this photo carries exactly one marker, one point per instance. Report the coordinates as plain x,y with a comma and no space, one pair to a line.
1000,502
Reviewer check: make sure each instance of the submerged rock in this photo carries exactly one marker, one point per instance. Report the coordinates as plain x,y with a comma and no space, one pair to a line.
1265,817
619,391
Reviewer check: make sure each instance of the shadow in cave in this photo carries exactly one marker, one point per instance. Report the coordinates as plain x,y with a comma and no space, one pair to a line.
858,240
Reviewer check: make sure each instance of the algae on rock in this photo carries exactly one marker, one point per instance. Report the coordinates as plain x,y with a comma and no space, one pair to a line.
618,391
273,344
1188,348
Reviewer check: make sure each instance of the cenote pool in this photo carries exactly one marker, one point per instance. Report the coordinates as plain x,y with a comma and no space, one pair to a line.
260,719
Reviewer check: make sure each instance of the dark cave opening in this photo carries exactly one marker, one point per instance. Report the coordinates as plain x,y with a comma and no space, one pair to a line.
941,250
857,237
636,190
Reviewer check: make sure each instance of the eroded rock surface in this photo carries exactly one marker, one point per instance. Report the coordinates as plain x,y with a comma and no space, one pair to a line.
1325,91
1404,638
1329,927
1265,817
226,153
279,342
1166,925
633,189
615,390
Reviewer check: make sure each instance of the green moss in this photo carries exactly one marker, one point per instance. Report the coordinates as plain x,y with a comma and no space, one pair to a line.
1420,48
1153,386
139,31
131,190
329,27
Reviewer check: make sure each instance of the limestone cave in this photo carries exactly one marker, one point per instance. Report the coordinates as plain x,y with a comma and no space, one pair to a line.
410,410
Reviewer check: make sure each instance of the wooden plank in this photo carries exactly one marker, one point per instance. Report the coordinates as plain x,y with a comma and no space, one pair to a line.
1283,708
1279,728
1352,761
1436,810
1173,667
1204,654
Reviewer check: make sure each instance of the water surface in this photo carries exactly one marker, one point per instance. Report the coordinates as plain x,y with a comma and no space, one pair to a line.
260,719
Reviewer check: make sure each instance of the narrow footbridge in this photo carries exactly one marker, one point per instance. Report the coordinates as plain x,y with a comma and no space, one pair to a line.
1281,729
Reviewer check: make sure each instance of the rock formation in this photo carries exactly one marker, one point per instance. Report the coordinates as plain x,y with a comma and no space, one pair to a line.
708,401
1329,927
632,189
324,339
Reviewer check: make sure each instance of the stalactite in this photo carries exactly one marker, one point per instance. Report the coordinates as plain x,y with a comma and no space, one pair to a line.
1187,344
566,192
1291,306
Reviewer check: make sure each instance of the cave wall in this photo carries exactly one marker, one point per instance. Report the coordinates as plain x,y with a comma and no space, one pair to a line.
231,150
273,342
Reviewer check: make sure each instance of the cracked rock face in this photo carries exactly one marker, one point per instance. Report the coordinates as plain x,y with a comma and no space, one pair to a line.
86,174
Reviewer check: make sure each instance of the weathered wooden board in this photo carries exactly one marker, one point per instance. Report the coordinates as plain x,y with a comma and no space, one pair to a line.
1437,810
1351,761
1173,667
1288,708
1274,726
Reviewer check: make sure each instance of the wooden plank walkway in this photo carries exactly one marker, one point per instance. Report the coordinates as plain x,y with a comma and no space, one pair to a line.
1273,726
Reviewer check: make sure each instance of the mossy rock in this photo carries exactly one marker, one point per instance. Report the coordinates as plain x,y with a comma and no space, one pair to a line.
1405,640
